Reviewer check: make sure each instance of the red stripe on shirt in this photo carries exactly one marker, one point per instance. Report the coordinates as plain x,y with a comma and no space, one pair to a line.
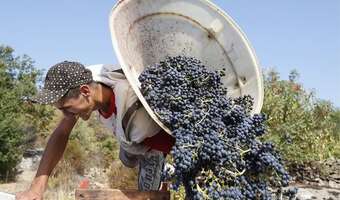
162,141
112,108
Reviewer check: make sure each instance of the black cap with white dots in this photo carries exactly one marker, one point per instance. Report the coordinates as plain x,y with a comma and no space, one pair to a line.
60,79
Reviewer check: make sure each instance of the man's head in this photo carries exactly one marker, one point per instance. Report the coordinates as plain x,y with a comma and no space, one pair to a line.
70,87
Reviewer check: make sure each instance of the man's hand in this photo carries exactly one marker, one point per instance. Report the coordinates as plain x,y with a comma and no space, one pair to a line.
29,195
36,191
52,154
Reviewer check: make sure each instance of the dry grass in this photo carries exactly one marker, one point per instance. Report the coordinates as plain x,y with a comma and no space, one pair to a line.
121,177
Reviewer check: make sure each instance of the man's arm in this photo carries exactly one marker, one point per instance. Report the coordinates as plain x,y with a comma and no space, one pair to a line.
53,152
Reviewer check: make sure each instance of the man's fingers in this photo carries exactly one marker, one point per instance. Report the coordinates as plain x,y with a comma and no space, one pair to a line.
27,195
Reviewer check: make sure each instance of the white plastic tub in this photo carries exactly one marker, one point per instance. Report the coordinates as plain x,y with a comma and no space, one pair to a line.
144,32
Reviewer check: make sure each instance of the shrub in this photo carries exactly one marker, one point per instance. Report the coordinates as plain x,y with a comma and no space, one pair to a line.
19,121
300,124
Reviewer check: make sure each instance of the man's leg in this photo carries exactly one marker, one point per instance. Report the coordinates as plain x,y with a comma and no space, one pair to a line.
150,170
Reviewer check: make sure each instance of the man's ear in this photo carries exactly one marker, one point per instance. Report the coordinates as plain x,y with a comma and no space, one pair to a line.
85,90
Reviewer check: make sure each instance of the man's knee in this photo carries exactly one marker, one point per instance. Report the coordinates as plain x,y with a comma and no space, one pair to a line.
150,171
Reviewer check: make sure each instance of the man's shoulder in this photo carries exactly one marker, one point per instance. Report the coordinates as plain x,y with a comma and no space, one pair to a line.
102,68
107,74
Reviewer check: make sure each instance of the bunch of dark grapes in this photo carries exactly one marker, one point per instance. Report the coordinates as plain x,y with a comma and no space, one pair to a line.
217,154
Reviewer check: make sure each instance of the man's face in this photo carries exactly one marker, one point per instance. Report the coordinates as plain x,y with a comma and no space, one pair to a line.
81,105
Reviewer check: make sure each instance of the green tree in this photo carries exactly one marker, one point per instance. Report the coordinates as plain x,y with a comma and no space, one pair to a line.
336,133
336,119
19,120
301,125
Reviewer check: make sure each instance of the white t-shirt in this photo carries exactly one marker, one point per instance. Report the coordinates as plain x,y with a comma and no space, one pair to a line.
141,126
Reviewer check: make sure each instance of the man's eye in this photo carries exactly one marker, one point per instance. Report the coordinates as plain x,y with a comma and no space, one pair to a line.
66,112
70,112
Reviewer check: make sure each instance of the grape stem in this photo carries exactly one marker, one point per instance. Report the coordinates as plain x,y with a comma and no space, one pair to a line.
199,189
235,174
244,152
175,98
203,117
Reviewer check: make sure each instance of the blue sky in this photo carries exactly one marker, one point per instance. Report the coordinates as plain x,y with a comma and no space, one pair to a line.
286,35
